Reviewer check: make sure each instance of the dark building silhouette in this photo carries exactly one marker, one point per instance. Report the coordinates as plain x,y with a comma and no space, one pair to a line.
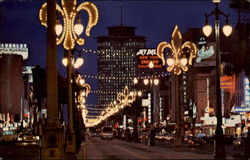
11,84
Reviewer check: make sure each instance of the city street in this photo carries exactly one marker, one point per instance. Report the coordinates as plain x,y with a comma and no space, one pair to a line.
95,148
124,79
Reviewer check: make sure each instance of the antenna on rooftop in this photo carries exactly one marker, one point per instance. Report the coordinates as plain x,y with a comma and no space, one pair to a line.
121,13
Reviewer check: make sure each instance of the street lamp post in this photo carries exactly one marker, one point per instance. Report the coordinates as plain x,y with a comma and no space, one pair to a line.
52,144
69,35
177,63
219,149
135,110
70,66
152,83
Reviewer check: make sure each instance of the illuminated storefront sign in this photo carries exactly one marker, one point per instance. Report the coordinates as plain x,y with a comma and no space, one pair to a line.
227,82
144,56
206,56
204,53
184,87
239,109
246,92
16,49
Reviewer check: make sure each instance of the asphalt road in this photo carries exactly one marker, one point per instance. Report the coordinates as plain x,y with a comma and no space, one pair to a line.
95,148
26,150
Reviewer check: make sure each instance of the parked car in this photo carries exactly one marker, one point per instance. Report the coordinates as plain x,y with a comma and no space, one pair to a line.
127,135
228,139
169,137
8,136
198,140
187,138
107,133
27,136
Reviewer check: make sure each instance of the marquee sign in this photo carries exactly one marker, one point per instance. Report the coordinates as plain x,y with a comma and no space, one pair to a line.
144,56
239,109
15,49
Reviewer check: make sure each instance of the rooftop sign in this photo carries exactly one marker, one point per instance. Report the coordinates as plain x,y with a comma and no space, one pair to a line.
16,49
144,56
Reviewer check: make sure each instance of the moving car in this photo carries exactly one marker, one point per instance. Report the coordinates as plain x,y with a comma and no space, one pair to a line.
107,133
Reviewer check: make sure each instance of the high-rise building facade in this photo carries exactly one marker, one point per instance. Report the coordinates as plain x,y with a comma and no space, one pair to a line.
116,61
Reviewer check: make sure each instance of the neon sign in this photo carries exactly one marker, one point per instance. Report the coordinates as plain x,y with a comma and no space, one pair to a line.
204,53
246,92
144,56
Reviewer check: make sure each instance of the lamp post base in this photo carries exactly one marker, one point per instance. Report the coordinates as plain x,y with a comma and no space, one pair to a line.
152,136
70,151
52,140
219,148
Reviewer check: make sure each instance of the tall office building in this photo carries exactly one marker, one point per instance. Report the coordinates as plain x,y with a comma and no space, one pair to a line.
117,61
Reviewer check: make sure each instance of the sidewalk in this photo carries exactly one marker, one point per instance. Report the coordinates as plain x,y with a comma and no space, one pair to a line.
82,153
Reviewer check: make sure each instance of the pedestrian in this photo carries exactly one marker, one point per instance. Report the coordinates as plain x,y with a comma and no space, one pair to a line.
152,135
247,144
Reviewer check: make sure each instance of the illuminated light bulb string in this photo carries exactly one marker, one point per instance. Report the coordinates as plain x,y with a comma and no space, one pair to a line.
91,51
113,77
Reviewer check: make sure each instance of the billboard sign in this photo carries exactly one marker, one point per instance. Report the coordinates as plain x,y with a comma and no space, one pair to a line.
15,49
144,56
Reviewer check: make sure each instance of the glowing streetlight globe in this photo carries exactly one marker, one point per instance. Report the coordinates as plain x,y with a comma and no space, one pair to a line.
135,80
78,27
79,62
227,30
58,28
151,65
156,81
65,61
170,61
184,61
207,30
146,81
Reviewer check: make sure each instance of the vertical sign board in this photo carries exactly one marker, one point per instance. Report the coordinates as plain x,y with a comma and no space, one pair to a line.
149,108
247,100
246,93
184,87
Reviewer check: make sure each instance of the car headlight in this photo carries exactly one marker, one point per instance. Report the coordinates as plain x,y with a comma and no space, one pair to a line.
19,138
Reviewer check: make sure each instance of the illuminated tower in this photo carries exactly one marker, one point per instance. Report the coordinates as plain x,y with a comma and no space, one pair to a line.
116,61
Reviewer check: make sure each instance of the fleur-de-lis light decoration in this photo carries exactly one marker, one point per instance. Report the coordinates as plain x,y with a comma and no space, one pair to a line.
179,61
82,96
81,82
126,97
70,32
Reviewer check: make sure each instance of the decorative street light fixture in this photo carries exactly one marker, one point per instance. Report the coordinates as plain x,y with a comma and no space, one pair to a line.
219,149
177,63
126,97
76,63
151,82
69,35
81,96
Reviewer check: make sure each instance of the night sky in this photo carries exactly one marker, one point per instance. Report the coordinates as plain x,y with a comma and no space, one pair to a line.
19,23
